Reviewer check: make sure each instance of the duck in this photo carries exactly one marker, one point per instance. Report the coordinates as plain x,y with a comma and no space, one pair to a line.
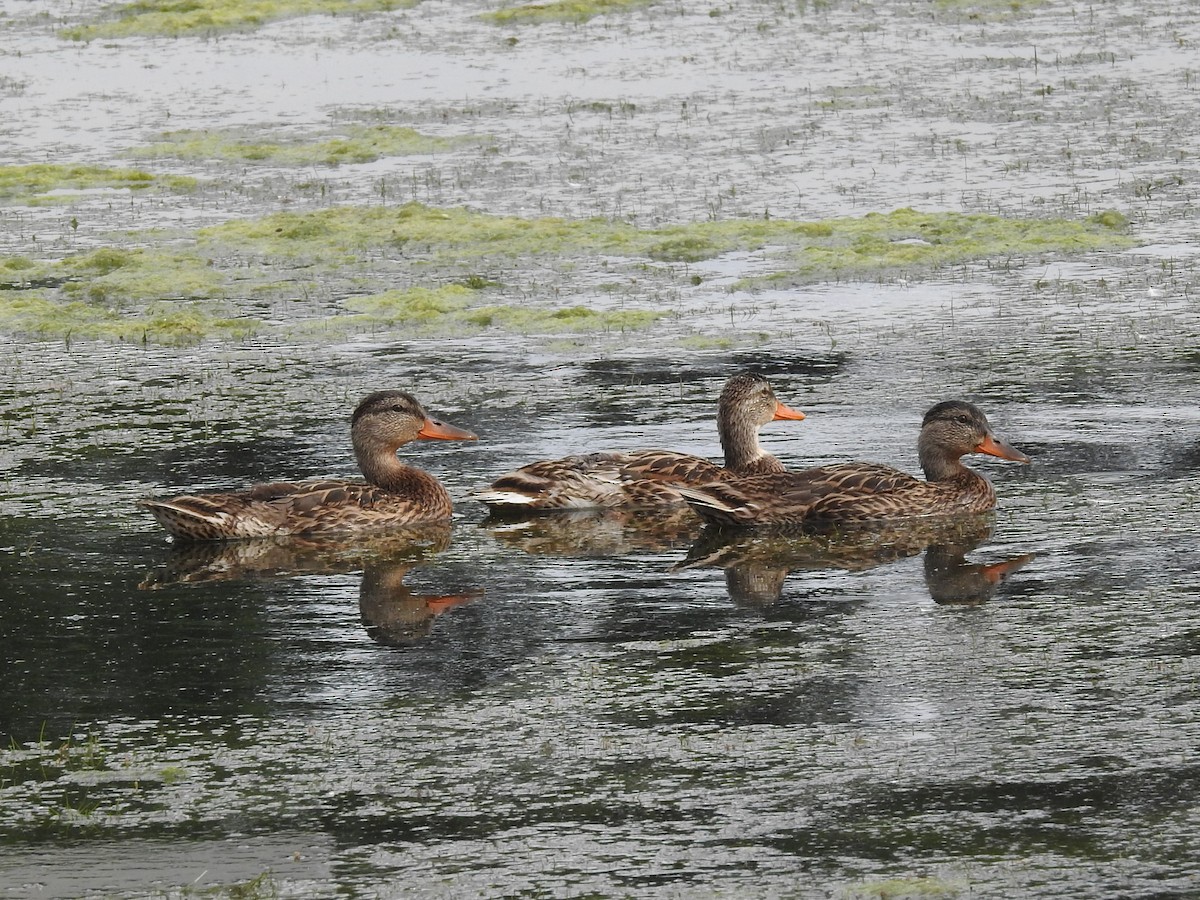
866,492
394,495
647,478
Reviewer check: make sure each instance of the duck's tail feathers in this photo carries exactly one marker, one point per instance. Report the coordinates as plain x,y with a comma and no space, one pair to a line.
500,500
196,519
709,505
507,499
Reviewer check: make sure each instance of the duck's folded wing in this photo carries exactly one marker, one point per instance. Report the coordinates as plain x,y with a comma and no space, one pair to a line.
572,482
671,467
798,497
330,498
851,479
276,490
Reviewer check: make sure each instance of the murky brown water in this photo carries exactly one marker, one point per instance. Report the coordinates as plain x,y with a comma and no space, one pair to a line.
561,708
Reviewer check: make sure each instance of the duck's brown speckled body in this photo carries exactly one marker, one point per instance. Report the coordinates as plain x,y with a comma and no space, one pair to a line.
647,478
393,495
860,492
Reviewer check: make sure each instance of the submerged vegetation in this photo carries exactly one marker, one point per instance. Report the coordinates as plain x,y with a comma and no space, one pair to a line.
862,247
36,183
335,269
113,275
455,308
561,11
987,10
163,322
904,887
907,242
175,18
356,144
74,780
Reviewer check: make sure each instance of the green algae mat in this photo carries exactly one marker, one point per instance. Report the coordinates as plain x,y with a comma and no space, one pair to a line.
176,18
456,271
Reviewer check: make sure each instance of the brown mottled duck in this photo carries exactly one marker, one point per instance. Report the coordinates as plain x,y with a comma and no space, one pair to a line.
647,478
862,492
393,495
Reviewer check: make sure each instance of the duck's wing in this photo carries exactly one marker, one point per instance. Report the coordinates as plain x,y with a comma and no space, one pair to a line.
848,491
860,492
605,480
670,467
572,482
323,498
321,507
282,508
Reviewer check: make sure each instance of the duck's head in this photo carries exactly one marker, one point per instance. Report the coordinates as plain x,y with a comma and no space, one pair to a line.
954,428
748,397
395,418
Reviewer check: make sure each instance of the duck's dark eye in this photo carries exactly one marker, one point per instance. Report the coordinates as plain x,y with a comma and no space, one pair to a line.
398,409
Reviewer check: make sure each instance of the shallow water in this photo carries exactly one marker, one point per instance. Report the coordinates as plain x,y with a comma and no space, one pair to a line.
563,707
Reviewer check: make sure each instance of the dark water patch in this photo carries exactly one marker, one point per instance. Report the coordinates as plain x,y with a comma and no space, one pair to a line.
1078,457
204,464
641,618
83,648
1114,790
32,284
1181,460
997,819
344,819
804,601
820,701
623,372
1184,644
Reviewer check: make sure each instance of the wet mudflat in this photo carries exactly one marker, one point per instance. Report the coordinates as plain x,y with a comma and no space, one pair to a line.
599,705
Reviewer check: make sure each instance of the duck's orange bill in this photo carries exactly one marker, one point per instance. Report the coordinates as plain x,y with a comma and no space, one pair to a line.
440,430
786,412
993,446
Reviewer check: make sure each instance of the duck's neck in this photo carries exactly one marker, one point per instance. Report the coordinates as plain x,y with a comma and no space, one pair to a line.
960,489
938,464
944,469
380,467
743,454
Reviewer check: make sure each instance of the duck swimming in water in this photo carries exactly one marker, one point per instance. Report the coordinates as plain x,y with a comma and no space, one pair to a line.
863,492
647,478
393,494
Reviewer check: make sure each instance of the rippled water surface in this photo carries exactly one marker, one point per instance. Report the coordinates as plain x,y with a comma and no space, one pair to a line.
604,705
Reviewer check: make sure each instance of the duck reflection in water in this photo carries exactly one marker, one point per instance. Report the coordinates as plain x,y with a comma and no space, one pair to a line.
952,580
396,617
597,532
757,562
391,613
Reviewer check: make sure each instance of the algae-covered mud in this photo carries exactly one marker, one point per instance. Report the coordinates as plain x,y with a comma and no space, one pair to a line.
563,226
